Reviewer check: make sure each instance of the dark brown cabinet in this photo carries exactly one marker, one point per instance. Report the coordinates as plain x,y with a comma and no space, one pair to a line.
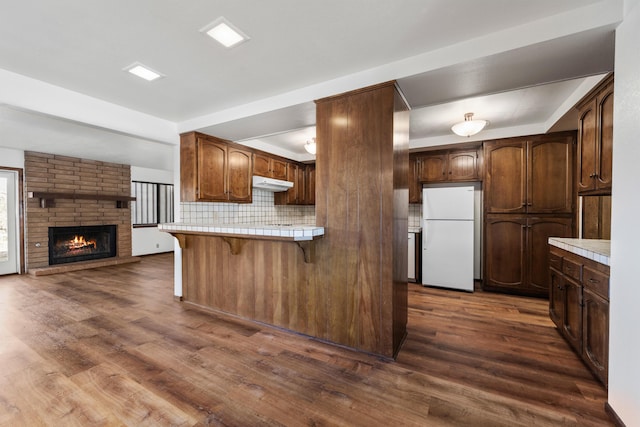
296,195
516,252
265,165
214,170
529,196
595,140
415,187
448,166
530,175
310,185
579,307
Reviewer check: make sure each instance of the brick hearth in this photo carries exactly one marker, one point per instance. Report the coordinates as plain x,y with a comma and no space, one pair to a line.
61,174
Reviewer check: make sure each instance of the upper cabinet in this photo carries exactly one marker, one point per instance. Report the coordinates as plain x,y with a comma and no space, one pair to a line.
415,187
448,166
595,140
271,167
530,175
303,191
214,170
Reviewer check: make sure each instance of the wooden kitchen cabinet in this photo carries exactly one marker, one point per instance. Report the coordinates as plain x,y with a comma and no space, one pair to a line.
271,167
516,252
310,184
579,307
448,166
214,170
595,140
415,187
296,194
530,175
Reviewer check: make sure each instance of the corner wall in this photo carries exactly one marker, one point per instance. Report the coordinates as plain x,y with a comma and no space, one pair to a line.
624,345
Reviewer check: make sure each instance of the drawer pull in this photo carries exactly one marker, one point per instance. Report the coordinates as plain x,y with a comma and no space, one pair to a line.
594,281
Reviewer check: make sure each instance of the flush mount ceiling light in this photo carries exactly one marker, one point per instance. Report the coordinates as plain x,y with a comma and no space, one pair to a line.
310,146
225,33
143,71
469,126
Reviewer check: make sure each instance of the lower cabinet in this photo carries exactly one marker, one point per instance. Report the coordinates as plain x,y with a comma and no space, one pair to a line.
579,307
516,252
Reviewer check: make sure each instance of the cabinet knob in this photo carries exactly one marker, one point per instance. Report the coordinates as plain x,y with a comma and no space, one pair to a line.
594,281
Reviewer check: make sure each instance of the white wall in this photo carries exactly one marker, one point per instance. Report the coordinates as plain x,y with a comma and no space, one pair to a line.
149,240
11,158
624,345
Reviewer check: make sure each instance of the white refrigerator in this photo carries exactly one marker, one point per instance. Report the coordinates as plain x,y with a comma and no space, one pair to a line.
448,237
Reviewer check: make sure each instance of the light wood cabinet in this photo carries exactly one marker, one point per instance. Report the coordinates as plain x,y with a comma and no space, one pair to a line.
447,166
271,167
579,307
595,140
530,175
516,252
214,170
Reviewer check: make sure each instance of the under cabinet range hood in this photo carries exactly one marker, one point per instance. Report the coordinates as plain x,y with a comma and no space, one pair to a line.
271,184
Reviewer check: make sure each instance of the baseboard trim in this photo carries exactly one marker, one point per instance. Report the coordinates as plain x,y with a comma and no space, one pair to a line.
612,414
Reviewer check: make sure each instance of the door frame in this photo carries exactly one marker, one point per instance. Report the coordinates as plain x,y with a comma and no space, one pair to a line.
20,202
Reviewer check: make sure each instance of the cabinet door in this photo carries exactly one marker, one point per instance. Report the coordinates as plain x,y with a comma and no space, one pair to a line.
432,168
463,165
595,334
604,153
504,254
290,197
239,175
572,322
212,166
310,185
505,180
261,165
415,193
278,169
556,297
587,146
538,232
550,176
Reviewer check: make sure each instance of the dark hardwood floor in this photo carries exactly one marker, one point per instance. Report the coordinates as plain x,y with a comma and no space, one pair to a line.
110,346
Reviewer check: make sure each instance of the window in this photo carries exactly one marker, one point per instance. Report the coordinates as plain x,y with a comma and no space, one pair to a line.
153,204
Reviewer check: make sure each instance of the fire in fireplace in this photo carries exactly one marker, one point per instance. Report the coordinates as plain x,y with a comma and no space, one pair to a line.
82,243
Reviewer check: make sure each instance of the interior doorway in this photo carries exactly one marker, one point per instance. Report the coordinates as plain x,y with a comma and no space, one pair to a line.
9,222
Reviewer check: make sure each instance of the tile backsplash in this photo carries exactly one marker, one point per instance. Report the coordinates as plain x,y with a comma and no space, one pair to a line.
260,211
415,215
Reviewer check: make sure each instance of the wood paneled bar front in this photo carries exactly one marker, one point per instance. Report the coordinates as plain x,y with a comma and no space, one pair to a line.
348,287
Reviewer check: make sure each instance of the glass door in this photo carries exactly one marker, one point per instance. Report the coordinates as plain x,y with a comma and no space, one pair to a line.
8,222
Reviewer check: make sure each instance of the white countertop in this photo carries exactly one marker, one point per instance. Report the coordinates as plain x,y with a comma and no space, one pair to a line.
594,249
415,229
293,232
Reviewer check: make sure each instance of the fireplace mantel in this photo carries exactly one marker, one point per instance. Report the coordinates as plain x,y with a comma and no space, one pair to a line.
47,199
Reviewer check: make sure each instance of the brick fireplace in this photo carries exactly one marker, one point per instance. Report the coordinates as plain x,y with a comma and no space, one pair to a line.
54,174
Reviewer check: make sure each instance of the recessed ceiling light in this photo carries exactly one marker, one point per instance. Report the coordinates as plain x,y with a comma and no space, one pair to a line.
143,71
225,33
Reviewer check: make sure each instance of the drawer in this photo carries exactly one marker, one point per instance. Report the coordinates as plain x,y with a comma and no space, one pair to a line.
596,281
555,261
571,269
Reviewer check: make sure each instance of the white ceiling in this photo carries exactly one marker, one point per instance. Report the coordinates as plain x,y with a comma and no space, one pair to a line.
514,63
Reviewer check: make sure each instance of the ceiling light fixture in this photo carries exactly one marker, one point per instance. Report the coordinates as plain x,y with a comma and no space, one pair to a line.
469,126
310,146
225,33
143,71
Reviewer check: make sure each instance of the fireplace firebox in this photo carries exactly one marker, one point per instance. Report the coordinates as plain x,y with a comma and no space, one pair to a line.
82,243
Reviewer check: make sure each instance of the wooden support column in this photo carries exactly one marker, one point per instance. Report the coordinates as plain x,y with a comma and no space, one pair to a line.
362,161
